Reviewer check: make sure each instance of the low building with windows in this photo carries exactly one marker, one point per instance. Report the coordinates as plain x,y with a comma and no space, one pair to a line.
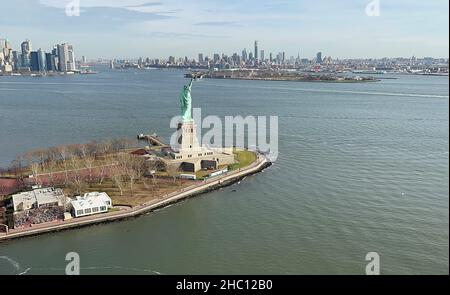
38,206
91,203
38,198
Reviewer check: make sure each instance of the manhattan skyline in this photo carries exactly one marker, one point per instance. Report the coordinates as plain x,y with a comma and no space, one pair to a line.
134,28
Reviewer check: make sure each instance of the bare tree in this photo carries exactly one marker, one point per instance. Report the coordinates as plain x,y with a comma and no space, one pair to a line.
51,168
117,178
76,177
105,147
16,166
106,167
35,171
89,163
102,174
172,170
133,168
78,184
64,155
153,167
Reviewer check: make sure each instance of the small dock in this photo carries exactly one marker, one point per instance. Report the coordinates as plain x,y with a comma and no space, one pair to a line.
153,139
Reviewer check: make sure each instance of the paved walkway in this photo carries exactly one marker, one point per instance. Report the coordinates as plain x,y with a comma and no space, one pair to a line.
137,210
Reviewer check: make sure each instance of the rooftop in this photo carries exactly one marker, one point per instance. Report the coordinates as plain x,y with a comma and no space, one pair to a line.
39,197
89,200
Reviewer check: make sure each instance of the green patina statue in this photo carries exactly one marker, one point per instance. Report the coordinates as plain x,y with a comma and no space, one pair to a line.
186,102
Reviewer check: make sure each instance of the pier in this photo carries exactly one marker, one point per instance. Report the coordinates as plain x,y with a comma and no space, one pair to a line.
153,139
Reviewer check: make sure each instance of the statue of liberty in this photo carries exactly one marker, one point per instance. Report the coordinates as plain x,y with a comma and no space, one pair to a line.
186,102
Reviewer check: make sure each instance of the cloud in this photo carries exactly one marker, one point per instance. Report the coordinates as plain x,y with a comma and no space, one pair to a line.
185,35
219,24
53,19
146,4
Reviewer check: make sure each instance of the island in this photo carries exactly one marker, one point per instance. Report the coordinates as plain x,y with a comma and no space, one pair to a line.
280,75
76,185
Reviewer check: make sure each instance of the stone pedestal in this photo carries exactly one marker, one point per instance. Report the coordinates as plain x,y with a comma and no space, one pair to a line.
188,136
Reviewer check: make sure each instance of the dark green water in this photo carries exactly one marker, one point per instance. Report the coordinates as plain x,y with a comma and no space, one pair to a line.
362,168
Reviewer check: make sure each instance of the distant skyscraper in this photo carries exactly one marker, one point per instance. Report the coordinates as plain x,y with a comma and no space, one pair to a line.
34,63
200,58
319,57
50,60
6,50
16,60
256,50
37,61
216,57
270,57
71,64
235,58
63,57
66,57
26,50
41,60
244,55
262,55
279,57
84,59
250,56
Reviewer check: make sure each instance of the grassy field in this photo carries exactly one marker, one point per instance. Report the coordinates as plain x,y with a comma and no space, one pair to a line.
202,174
244,158
143,191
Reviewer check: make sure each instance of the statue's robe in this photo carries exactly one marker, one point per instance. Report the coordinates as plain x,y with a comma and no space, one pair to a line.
186,103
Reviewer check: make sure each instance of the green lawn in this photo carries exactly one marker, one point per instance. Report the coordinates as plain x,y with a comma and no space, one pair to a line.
201,174
244,158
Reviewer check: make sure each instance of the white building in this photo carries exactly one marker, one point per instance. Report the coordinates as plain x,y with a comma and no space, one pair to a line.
37,198
66,57
91,203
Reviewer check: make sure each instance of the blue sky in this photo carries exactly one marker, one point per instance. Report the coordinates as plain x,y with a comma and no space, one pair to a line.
159,28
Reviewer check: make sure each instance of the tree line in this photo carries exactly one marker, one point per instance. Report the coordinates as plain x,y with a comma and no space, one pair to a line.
80,165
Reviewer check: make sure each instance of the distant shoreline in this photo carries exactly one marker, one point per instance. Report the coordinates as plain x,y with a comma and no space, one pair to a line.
298,80
46,74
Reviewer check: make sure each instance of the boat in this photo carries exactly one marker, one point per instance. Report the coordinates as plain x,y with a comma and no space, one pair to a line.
195,75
